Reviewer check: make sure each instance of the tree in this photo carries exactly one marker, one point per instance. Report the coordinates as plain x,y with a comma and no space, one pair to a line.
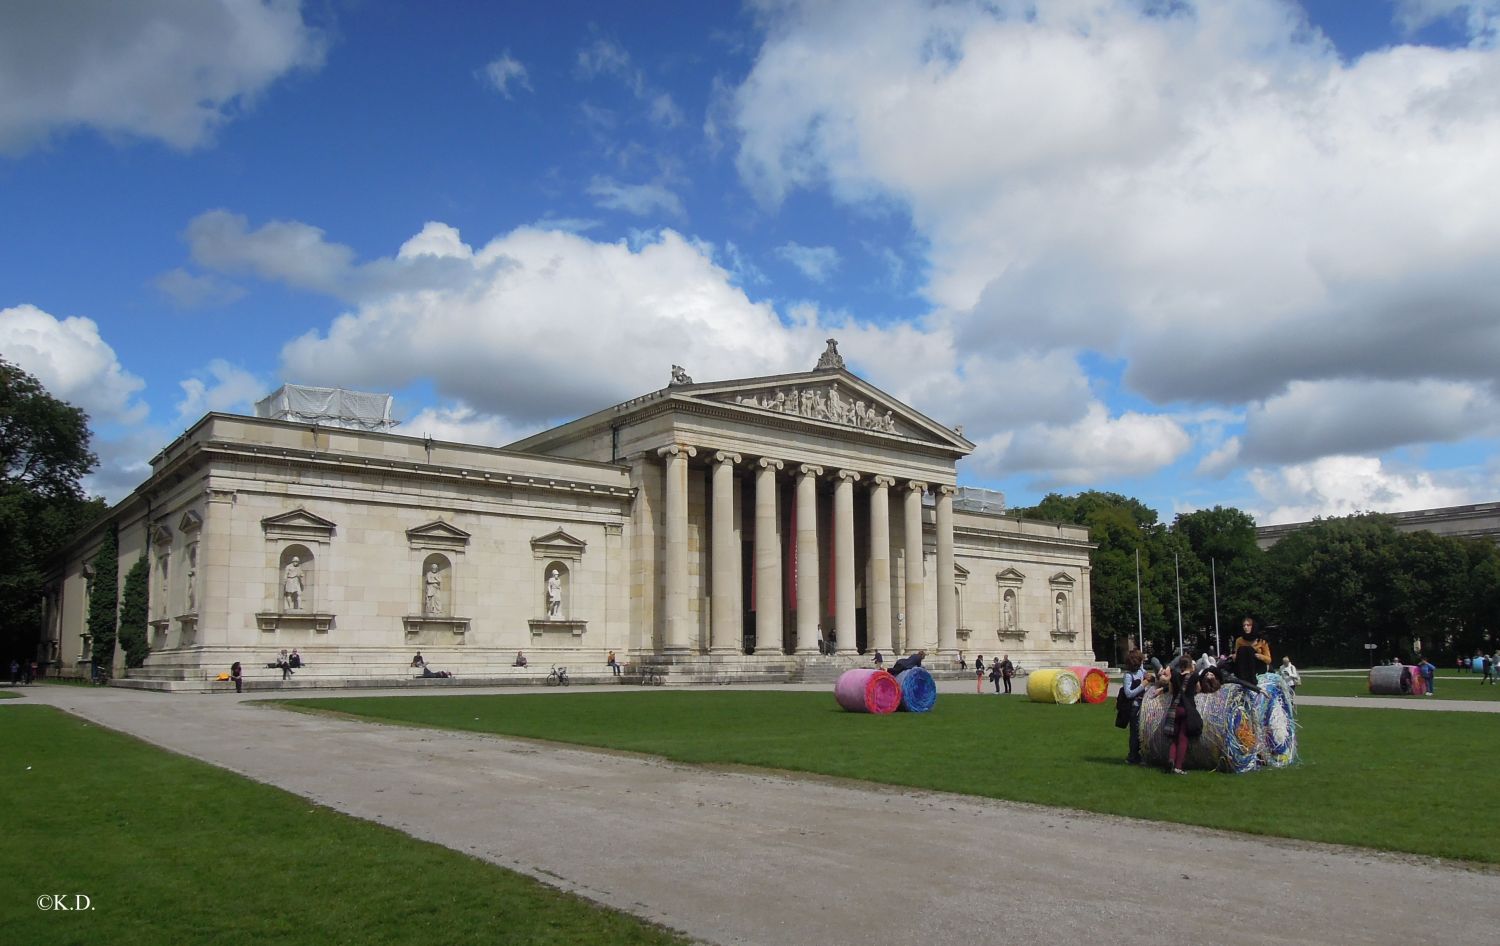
1223,544
103,595
135,612
44,442
44,452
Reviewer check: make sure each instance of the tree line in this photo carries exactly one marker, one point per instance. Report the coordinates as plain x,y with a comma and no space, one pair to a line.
1322,593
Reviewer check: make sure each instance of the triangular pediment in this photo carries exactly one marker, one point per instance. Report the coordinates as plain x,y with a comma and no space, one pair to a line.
1061,578
437,529
830,397
1010,576
299,523
437,534
557,538
190,522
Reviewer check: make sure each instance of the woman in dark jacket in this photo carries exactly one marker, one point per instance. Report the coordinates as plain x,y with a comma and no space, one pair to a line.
1183,722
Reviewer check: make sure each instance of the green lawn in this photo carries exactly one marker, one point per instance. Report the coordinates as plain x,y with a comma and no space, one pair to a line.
1379,778
1451,685
170,850
8,694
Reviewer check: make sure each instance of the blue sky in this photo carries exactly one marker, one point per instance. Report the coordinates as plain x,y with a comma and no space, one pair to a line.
1241,252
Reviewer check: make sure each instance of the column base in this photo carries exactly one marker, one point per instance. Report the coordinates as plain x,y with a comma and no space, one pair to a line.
678,651
723,651
807,652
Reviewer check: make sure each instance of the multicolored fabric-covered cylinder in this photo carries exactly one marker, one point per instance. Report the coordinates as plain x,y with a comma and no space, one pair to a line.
1390,680
1418,682
1058,685
863,690
1276,710
1231,736
1093,684
918,691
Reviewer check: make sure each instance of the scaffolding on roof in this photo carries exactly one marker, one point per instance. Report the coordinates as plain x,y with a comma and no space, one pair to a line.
327,407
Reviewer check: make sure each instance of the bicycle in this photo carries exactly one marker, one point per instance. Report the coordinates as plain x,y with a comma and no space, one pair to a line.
558,677
652,676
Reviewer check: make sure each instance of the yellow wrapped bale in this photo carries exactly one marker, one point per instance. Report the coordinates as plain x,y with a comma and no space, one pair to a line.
1057,685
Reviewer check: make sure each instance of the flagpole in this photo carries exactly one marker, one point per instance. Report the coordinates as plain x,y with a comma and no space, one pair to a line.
1214,571
1140,625
1176,571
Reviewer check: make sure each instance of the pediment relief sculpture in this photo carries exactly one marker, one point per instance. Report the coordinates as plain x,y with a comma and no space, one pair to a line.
821,402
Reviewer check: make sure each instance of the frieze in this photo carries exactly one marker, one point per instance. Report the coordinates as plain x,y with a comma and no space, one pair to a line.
821,403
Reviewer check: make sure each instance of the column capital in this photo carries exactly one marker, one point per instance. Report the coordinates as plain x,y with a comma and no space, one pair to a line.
880,482
725,456
677,449
916,486
947,490
766,463
809,469
851,476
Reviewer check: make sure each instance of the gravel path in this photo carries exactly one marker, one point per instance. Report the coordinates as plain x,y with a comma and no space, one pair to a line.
740,857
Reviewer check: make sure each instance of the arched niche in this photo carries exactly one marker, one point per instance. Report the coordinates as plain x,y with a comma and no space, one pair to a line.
557,597
296,580
435,586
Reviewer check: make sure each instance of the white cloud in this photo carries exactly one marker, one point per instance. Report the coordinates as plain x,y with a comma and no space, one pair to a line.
549,325
220,386
1344,485
642,200
501,72
1205,190
1314,419
1221,459
171,70
73,362
196,290
1095,448
1480,17
816,262
665,112
460,423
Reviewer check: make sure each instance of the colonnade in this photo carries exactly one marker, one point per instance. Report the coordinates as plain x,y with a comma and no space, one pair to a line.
725,608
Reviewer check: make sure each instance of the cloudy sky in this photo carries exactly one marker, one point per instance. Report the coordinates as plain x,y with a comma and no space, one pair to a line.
1196,251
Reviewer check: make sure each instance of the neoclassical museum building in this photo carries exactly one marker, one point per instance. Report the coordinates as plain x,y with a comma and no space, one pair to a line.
714,530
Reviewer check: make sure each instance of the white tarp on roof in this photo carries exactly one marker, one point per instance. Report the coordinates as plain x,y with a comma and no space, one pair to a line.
989,502
329,407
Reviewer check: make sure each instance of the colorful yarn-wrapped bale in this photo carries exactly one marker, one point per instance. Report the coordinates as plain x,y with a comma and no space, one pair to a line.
863,690
1231,736
1390,680
1093,684
918,691
1418,682
1057,685
1276,711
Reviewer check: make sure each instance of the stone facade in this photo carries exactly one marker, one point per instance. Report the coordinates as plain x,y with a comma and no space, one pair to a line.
764,520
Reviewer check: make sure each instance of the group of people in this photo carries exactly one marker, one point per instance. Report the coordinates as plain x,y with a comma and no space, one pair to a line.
287,663
420,663
1487,664
22,671
1182,680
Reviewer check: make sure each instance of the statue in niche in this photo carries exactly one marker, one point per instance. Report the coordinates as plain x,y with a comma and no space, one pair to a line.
432,584
554,595
1057,618
1005,614
192,591
291,585
679,376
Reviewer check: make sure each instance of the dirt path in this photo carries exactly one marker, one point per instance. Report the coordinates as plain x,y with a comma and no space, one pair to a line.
765,859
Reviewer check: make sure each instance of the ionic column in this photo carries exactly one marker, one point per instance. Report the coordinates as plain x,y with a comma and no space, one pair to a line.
675,626
724,613
843,561
1085,612
916,634
879,597
808,600
947,604
767,560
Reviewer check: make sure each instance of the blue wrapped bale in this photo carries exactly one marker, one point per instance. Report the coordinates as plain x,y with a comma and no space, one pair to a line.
918,691
1277,711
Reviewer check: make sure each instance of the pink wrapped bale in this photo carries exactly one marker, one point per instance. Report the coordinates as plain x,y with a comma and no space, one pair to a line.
1093,684
1418,682
863,690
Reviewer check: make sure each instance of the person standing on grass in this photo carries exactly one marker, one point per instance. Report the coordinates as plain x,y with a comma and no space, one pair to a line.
1133,685
1183,723
1429,674
1289,673
1489,669
1007,671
